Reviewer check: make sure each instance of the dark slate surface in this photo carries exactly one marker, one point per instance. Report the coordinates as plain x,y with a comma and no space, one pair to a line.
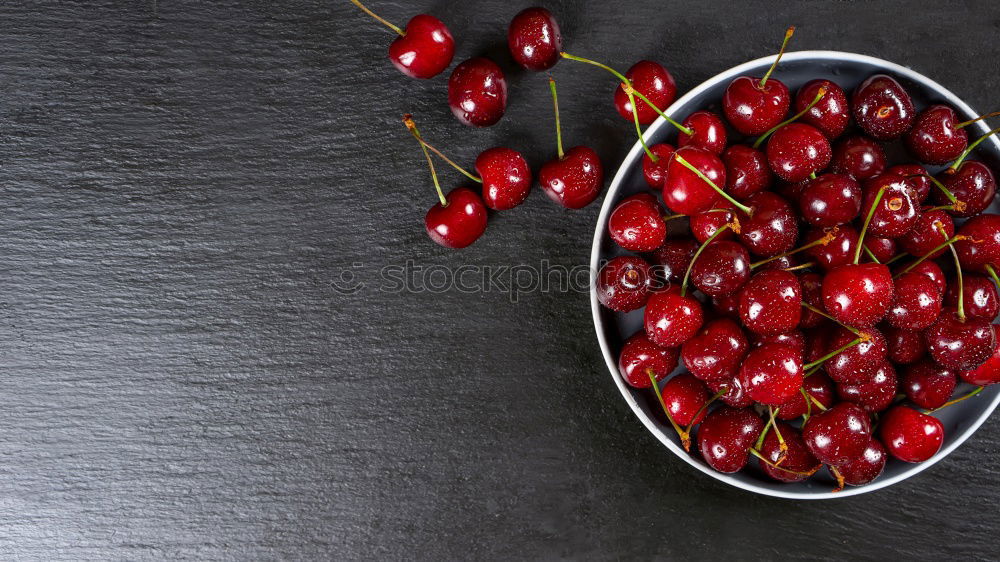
186,183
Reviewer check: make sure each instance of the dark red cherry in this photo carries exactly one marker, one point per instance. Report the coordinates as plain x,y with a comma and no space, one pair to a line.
882,108
671,260
980,297
981,246
706,223
819,386
866,467
905,346
770,302
839,434
684,191
973,184
791,191
623,283
671,319
837,252
708,132
934,139
932,270
747,171
477,92
916,303
858,363
652,80
574,180
726,436
534,39
791,463
960,345
715,352
926,234
795,339
637,223
883,249
722,268
916,176
831,114
875,393
796,151
752,109
988,372
812,293
897,212
858,295
734,395
684,396
772,228
425,50
830,199
506,178
459,223
639,355
656,172
928,385
909,435
860,157
772,373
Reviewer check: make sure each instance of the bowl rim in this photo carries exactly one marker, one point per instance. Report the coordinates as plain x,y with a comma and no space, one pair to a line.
600,231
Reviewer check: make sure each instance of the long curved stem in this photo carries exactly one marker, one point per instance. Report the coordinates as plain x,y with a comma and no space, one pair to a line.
711,183
993,274
819,96
376,16
957,400
958,273
555,106
832,354
703,408
824,240
815,310
980,118
868,220
971,147
638,129
927,256
955,203
408,120
685,438
412,127
687,274
788,35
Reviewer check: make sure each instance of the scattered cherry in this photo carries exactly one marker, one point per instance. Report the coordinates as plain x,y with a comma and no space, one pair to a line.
423,50
575,178
477,92
534,39
457,222
652,80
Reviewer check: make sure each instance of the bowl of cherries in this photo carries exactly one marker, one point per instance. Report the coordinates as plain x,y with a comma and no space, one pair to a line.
795,275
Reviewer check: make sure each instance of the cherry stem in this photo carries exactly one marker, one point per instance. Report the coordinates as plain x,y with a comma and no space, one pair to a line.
958,273
782,446
927,256
555,107
685,438
376,16
955,203
705,178
412,127
819,95
980,118
809,405
628,82
806,265
705,407
812,372
854,331
993,274
868,220
972,147
832,354
870,254
638,129
840,479
896,258
813,400
957,400
757,454
824,240
788,35
687,274
672,217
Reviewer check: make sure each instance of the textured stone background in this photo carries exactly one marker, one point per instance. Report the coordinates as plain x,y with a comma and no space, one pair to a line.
185,182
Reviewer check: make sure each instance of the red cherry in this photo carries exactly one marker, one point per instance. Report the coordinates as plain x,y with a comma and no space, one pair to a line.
858,363
747,171
639,355
830,199
459,223
708,132
916,303
772,228
772,373
859,294
959,345
637,223
905,346
706,223
981,245
671,319
684,396
933,271
623,283
735,396
882,108
686,193
506,178
726,306
837,252
909,435
875,393
574,180
812,294
652,80
425,49
866,467
534,39
831,114
988,372
477,92
770,302
861,158
791,463
672,258
838,435
725,438
916,176
897,211
797,151
928,385
973,184
752,109
883,249
934,139
926,234
721,269
715,352
656,172
980,297
795,339
817,385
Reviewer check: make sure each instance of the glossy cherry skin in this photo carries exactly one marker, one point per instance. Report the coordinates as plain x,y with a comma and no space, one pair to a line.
928,385
734,396
909,435
715,352
960,345
917,176
623,283
839,434
988,372
684,396
866,467
973,184
652,80
858,295
459,223
916,303
706,223
830,199
772,228
425,50
686,193
722,268
772,373
770,302
982,244
934,138
671,319
926,234
477,92
534,39
875,393
861,158
709,132
574,180
795,339
933,271
905,346
725,438
898,210
830,114
796,460
639,355
671,260
747,171
753,110
812,293
837,252
656,172
819,386
883,249
980,297
882,108
506,178
858,363
637,224
797,150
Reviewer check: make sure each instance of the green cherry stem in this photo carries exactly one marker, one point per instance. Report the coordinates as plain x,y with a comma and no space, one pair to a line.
955,203
832,354
868,220
806,265
719,190
980,118
957,400
813,400
896,258
408,121
412,127
687,274
635,117
756,453
788,35
376,16
958,273
819,96
705,407
870,254
812,308
824,240
972,147
781,440
685,438
993,274
927,256
555,107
